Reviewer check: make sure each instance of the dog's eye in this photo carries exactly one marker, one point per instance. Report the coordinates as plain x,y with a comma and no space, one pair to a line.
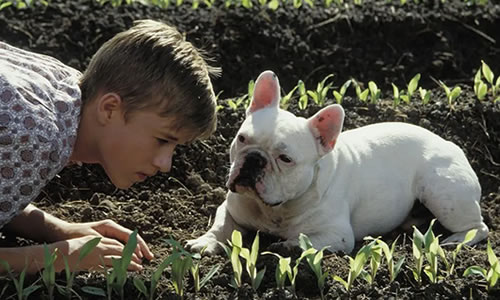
241,138
285,158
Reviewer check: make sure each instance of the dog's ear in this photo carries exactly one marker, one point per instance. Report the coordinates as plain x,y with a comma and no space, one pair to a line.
326,126
266,92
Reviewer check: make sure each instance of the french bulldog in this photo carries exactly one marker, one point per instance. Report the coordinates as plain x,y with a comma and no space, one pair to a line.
291,175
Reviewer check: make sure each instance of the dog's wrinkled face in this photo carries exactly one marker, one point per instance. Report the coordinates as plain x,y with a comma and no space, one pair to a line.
274,153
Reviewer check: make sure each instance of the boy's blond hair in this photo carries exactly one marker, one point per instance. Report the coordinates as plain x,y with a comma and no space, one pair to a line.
151,65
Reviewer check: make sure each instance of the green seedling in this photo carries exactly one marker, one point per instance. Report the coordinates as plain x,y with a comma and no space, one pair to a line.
251,263
322,88
425,95
285,100
339,95
356,266
427,246
246,3
361,94
283,269
67,290
489,275
374,92
303,98
314,260
451,94
375,260
243,100
195,272
393,266
273,4
450,265
49,271
155,278
396,97
233,252
480,88
412,87
22,292
117,276
182,262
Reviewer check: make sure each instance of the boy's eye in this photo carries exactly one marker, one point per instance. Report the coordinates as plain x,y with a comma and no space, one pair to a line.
162,141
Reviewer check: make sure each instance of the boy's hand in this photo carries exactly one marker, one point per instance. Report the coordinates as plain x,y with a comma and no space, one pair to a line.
102,254
108,229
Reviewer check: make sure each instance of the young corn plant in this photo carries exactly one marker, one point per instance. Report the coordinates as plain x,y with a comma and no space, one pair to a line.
426,246
396,96
155,278
450,265
284,269
490,275
481,88
195,272
393,266
285,100
411,88
374,92
303,98
319,95
425,95
22,292
49,271
233,253
356,266
250,257
314,260
362,94
243,100
375,261
117,276
67,290
180,266
339,95
451,94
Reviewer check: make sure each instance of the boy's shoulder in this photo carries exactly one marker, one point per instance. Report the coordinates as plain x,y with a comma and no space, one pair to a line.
39,115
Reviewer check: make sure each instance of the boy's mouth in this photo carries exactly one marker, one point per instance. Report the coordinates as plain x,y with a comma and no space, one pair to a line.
142,176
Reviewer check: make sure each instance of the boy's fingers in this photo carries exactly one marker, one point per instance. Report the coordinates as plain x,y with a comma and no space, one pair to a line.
144,249
133,266
119,232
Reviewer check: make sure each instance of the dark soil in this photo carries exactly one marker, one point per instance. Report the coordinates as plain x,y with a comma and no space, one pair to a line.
377,41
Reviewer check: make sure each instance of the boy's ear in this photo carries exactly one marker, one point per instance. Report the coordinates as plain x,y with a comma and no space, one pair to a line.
326,126
266,92
109,105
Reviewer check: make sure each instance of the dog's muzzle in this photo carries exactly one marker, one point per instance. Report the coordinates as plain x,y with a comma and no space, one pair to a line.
251,170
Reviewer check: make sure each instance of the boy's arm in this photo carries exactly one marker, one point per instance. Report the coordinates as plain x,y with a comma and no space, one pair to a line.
19,257
35,224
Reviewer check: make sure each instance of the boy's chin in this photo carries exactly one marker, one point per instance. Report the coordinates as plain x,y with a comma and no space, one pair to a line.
121,183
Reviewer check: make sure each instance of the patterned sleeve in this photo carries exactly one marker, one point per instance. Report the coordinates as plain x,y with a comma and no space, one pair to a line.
39,115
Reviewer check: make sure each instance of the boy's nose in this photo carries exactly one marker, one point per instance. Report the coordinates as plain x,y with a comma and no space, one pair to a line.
164,161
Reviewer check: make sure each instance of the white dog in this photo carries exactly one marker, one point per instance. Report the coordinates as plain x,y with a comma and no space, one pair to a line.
291,175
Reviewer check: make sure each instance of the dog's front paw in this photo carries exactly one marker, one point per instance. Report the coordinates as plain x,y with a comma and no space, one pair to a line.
285,248
206,243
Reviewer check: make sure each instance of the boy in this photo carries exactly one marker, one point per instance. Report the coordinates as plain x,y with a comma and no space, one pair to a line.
145,91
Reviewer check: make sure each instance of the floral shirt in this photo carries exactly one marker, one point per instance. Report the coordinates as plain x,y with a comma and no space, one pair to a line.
40,104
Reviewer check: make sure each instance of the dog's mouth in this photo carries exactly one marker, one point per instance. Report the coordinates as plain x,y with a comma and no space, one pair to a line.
241,187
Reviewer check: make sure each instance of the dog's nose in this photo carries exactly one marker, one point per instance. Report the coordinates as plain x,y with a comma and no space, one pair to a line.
255,160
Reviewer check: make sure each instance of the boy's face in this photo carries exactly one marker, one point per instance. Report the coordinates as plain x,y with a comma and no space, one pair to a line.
138,147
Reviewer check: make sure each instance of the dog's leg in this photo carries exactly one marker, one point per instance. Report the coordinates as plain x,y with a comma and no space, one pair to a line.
220,231
452,193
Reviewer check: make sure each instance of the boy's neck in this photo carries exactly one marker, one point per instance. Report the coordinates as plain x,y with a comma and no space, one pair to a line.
85,149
